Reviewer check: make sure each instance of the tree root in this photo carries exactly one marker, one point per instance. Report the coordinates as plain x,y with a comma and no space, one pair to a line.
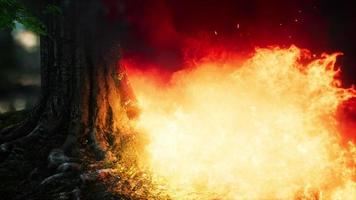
94,144
52,178
62,165
21,129
63,185
5,131
69,167
6,148
57,158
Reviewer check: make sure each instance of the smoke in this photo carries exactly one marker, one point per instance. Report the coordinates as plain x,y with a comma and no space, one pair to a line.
164,32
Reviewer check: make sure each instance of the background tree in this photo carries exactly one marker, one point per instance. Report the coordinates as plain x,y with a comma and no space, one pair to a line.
85,104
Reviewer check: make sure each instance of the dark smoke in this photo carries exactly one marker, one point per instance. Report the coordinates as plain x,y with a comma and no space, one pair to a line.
161,31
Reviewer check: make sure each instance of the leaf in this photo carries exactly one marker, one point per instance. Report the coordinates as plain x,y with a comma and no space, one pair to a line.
33,24
12,10
8,10
53,9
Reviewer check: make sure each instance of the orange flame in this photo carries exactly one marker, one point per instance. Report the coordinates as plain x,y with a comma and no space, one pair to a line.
264,127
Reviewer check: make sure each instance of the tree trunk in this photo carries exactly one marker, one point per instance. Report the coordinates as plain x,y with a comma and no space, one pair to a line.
85,105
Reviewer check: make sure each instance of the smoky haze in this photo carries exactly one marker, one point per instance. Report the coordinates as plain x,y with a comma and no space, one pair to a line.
161,31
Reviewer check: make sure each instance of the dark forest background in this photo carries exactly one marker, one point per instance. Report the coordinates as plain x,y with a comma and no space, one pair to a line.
319,25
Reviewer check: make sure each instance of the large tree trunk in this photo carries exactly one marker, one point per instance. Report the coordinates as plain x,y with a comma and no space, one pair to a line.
85,105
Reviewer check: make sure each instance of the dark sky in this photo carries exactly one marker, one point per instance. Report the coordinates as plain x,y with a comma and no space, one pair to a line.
158,29
341,19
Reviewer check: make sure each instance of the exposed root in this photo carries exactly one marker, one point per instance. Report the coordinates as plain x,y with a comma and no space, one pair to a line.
57,158
10,121
5,131
36,132
69,143
64,185
69,167
21,129
8,147
94,144
15,132
52,178
5,151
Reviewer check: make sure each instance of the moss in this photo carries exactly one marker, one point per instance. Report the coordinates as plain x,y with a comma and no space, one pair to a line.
10,118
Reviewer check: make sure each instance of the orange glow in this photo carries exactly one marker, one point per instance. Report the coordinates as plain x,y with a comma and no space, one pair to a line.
262,127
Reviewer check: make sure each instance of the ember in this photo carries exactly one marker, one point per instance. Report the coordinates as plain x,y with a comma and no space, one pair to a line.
265,126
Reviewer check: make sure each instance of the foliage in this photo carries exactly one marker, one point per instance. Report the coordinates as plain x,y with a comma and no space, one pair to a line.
12,11
53,9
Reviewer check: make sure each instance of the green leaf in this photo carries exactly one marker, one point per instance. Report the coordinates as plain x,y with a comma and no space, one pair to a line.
8,9
53,9
33,24
12,10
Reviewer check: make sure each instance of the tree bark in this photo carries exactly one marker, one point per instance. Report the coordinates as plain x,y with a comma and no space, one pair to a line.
86,103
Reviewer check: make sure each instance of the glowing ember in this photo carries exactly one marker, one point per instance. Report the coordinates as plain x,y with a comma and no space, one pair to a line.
258,128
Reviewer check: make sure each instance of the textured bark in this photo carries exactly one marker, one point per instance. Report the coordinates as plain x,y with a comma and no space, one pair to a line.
85,103
83,88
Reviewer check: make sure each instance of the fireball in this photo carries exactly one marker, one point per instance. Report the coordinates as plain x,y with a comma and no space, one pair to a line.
261,127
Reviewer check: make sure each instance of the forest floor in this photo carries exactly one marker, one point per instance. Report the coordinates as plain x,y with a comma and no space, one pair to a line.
25,174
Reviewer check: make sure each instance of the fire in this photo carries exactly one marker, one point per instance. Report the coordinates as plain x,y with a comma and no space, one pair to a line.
262,127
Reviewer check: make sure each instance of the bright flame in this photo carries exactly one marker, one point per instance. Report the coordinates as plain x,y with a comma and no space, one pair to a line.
259,128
